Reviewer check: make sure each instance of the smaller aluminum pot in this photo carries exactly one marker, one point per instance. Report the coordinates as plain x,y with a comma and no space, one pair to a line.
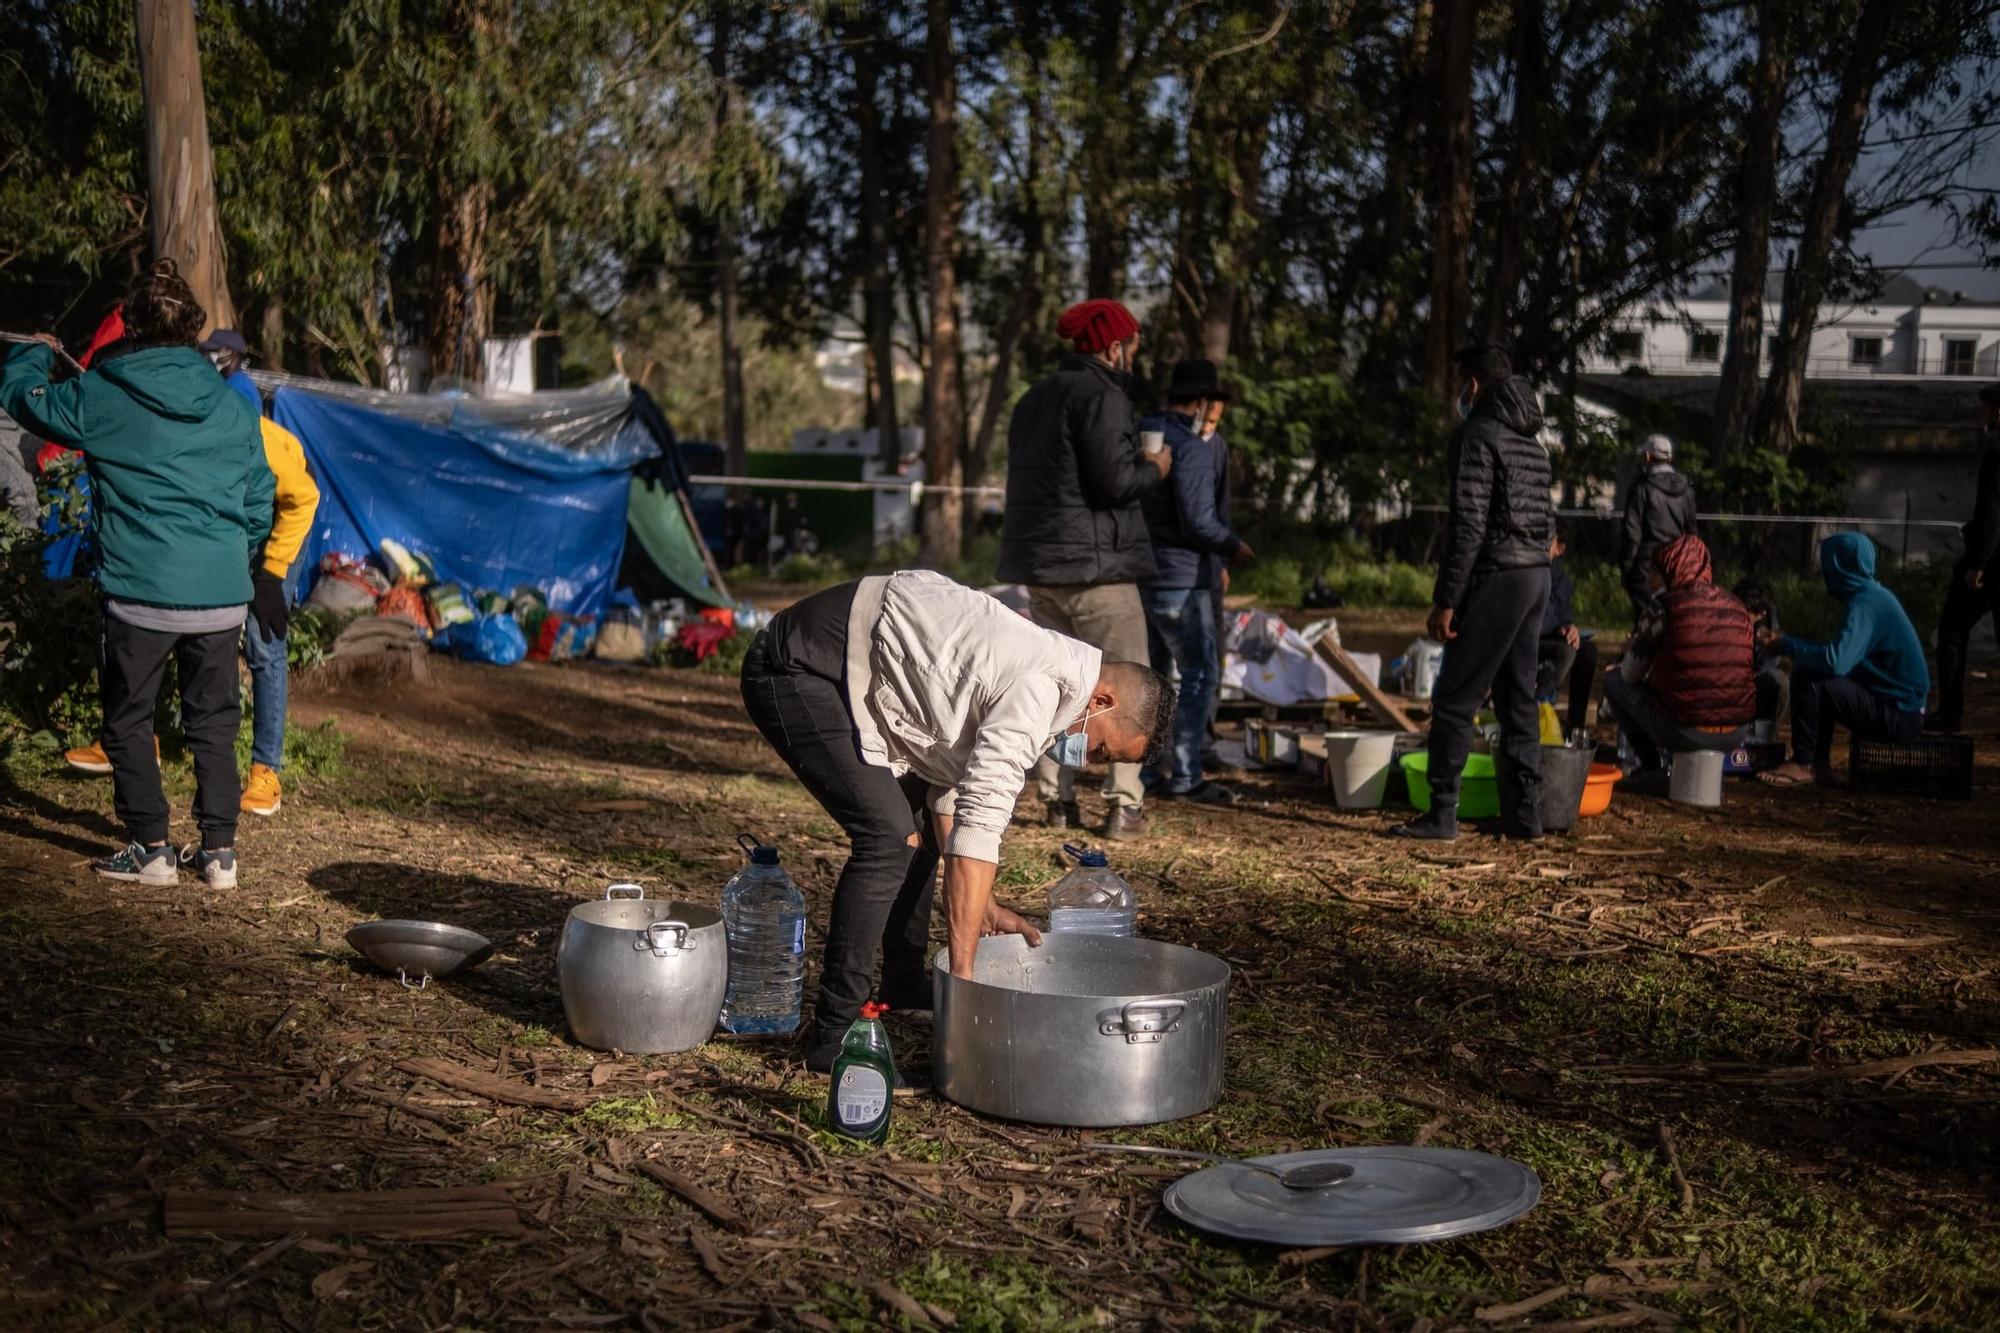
642,975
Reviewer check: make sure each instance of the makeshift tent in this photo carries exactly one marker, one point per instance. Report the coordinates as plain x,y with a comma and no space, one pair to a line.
666,555
497,492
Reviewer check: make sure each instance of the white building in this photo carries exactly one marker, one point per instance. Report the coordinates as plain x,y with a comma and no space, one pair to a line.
1908,330
1892,379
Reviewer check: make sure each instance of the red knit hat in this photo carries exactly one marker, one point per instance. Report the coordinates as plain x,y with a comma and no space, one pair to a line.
1096,325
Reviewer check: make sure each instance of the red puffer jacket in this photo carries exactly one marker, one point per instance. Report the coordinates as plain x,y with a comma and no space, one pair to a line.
1704,670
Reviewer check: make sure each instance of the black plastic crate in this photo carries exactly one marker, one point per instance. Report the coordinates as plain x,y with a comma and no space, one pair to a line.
1937,766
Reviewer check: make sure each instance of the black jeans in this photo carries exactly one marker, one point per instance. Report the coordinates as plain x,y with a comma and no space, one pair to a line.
1649,728
1820,701
1964,608
205,665
883,897
1561,666
1499,628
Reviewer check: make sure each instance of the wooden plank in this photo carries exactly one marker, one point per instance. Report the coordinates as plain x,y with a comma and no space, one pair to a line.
1378,703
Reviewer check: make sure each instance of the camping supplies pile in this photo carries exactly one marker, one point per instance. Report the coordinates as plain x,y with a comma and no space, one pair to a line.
479,625
1267,660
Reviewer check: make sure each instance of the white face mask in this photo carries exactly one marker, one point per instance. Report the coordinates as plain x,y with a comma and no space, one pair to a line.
1072,748
1465,401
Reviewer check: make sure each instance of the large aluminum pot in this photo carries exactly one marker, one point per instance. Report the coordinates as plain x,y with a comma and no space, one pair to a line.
642,975
1088,1030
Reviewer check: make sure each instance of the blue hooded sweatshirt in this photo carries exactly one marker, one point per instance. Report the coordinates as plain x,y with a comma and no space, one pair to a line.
1877,646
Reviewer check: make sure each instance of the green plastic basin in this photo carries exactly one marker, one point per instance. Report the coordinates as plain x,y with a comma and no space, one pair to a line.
1478,792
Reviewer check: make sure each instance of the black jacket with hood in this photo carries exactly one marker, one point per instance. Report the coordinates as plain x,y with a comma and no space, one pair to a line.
1500,514
1658,509
1075,476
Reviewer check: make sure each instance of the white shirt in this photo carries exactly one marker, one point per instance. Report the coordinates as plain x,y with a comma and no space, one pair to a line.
945,682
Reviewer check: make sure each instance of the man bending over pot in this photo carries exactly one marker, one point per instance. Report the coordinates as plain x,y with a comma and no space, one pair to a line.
912,708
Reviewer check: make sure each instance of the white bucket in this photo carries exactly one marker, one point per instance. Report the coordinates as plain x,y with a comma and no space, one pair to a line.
1697,777
1425,659
1357,763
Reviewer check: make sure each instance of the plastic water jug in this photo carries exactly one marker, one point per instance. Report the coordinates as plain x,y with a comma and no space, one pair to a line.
864,1079
1426,659
765,915
1092,899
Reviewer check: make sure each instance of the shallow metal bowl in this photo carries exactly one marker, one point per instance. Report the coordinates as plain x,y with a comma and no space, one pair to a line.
419,948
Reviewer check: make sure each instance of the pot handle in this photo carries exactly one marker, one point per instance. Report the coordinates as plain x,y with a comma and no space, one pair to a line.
620,891
1142,1020
648,940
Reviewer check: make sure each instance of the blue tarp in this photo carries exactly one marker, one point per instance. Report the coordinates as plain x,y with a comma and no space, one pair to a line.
493,506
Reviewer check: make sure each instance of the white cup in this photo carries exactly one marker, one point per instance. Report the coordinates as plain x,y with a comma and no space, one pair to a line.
1152,441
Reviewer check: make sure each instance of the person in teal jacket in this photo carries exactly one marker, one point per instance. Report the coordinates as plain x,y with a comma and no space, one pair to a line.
184,503
1870,678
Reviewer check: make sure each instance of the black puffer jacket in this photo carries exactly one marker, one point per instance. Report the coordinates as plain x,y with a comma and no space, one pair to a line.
1075,476
1501,517
1658,509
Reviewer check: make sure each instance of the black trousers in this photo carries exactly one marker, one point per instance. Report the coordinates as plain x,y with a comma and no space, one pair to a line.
1819,702
882,900
1563,667
1964,608
1499,628
205,666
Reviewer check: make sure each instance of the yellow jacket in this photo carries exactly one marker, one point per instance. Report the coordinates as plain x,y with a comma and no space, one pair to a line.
297,497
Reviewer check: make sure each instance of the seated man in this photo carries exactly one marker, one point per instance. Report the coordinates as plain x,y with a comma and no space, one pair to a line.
1567,654
1774,687
1872,676
912,709
1686,682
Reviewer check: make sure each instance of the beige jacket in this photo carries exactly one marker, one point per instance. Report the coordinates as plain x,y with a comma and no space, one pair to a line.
945,682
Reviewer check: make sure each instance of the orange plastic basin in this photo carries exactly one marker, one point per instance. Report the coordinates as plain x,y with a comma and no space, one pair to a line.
1597,789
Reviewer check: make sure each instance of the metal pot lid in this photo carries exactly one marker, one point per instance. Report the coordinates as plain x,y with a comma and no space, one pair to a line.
419,948
1396,1196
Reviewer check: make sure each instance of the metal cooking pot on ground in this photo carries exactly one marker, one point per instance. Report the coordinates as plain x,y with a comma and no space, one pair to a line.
644,975
1087,1030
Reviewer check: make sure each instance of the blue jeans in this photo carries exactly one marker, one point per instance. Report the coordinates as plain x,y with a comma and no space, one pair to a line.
270,682
1184,619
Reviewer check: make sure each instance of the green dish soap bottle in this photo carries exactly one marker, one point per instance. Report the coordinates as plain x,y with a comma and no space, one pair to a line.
864,1079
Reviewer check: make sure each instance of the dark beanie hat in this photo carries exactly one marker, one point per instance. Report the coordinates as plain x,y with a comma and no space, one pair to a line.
1095,325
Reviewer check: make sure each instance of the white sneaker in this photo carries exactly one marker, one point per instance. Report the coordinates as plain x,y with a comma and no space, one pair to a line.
217,869
140,864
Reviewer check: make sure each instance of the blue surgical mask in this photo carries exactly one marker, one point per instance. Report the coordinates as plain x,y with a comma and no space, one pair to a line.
1072,748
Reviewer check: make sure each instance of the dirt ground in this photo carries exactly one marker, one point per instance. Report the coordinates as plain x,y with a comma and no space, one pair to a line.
1749,1051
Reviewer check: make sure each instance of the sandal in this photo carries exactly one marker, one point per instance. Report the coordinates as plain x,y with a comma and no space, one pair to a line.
1773,778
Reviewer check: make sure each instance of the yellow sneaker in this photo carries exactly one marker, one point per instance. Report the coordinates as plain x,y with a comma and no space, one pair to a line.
92,759
262,795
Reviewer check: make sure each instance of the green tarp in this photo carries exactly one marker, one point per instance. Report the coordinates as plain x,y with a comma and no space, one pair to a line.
660,527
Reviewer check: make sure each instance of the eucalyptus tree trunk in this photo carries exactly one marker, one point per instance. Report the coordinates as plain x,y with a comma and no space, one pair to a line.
180,169
944,411
1806,282
459,314
878,293
1756,202
1451,190
734,437
1524,158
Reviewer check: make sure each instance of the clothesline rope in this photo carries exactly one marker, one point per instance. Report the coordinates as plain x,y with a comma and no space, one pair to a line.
917,488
